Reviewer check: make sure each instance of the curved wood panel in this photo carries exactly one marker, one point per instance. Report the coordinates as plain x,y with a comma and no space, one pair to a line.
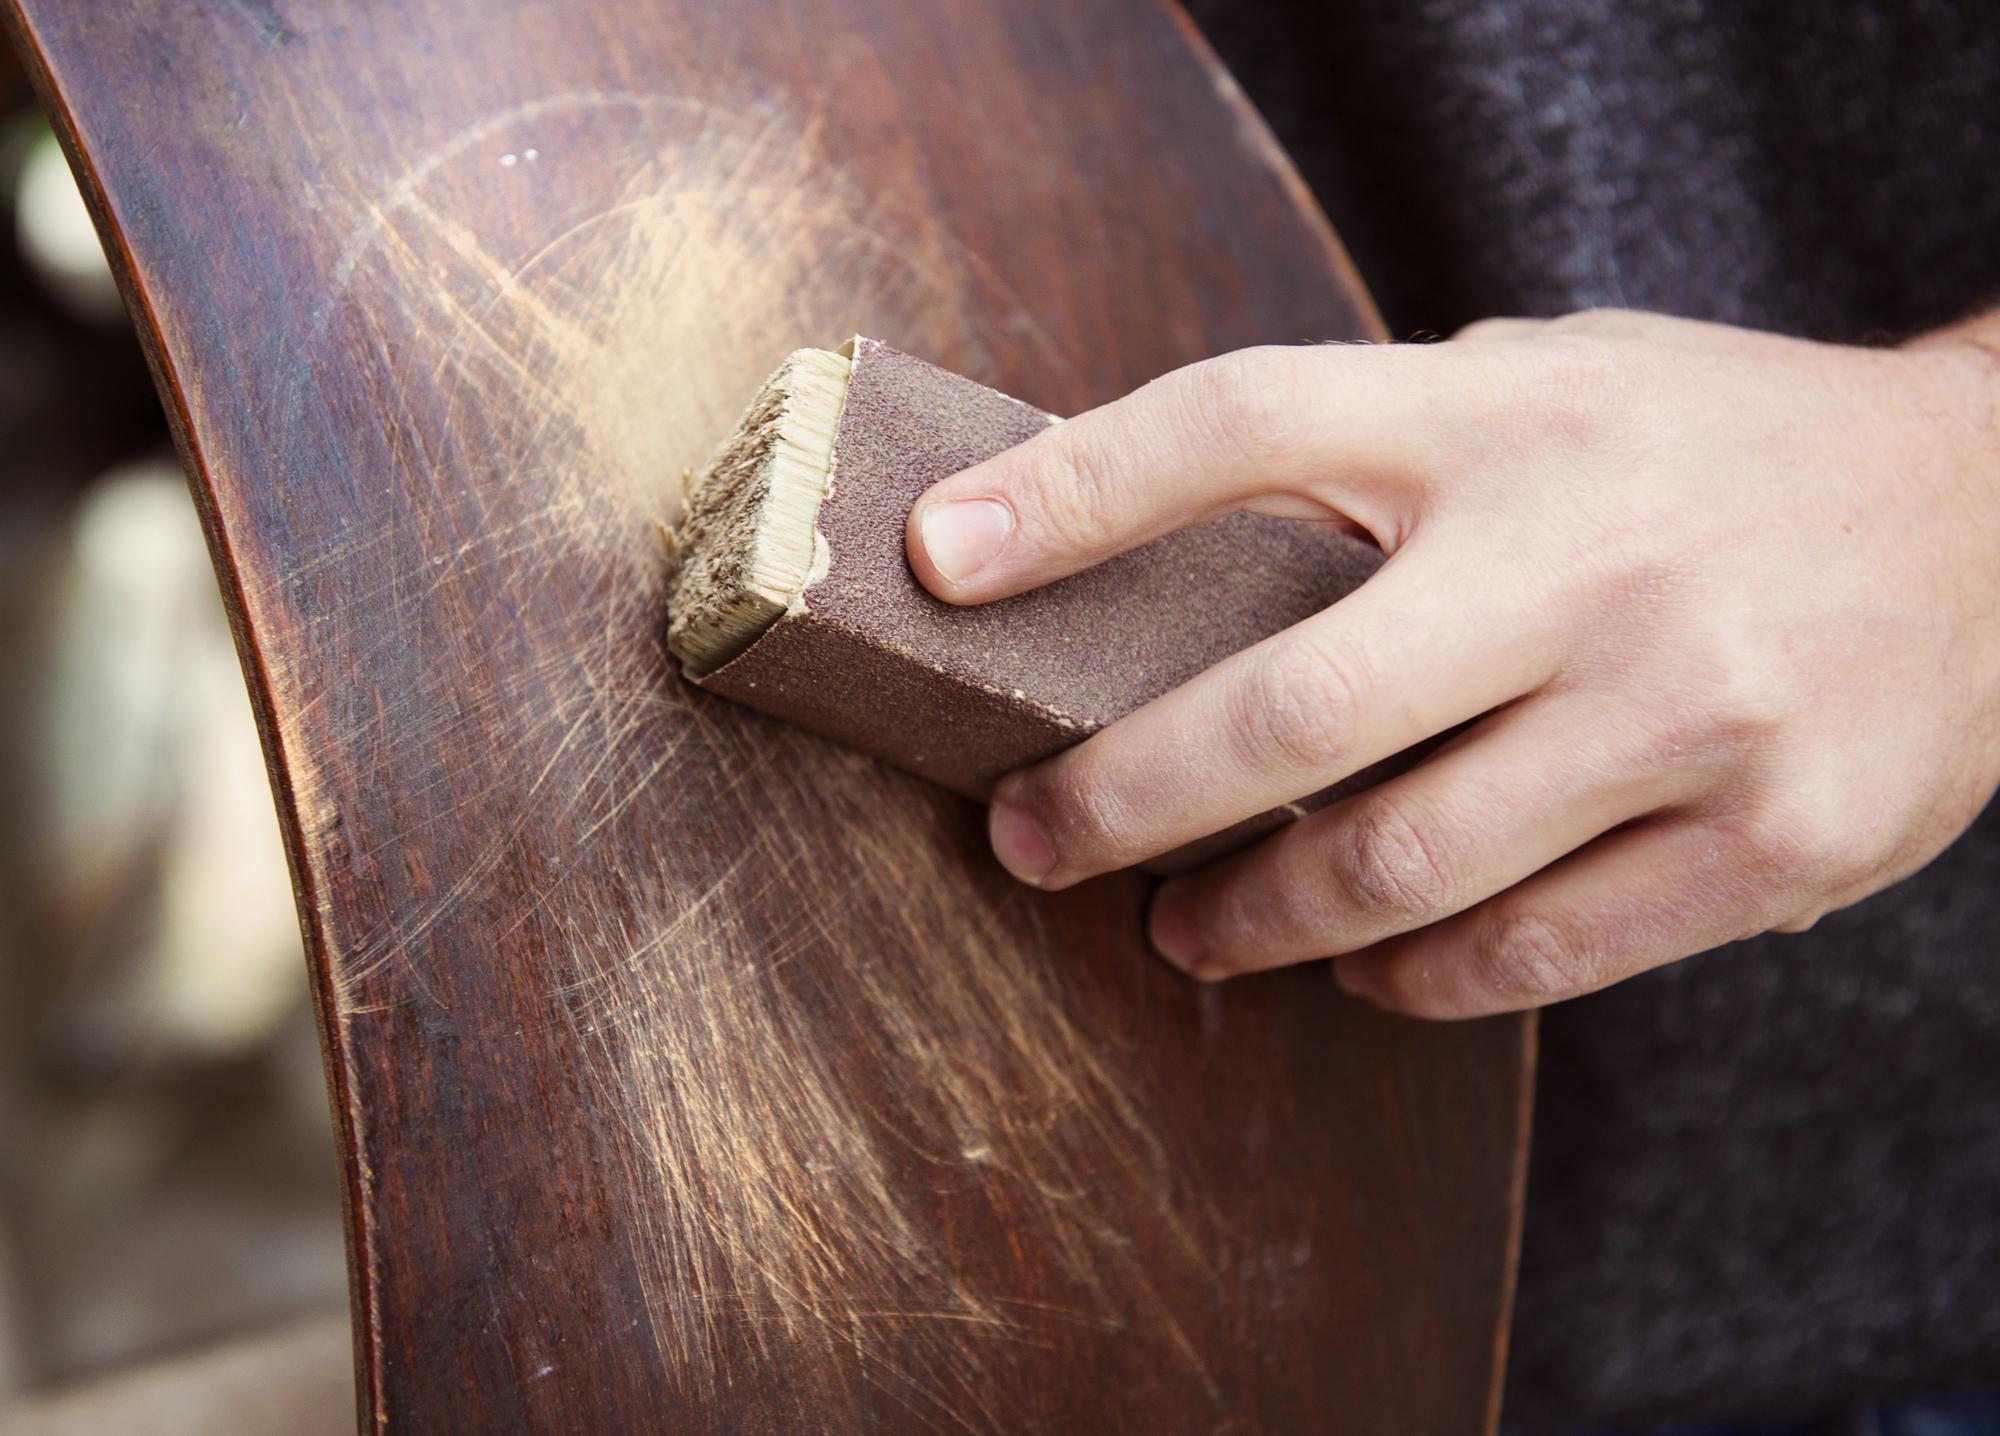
689,1072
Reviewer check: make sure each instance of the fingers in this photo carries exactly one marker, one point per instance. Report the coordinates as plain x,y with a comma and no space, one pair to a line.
1314,432
1645,896
1397,661
1520,791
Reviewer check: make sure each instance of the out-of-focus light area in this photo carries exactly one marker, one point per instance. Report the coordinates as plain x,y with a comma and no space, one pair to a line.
56,236
168,1196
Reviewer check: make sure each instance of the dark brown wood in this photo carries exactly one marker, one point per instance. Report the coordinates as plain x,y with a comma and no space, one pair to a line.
690,1073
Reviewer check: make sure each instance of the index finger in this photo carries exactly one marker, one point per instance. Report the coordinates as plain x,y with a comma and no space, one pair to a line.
1341,432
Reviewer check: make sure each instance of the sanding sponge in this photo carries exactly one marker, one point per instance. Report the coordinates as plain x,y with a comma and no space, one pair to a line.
792,592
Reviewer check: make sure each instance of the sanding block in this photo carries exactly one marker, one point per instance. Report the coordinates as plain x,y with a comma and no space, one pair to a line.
792,592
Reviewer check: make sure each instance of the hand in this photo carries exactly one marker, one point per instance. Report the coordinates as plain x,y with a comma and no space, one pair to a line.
1724,606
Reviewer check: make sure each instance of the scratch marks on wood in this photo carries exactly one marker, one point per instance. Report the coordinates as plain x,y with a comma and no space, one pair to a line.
824,1036
654,233
801,1092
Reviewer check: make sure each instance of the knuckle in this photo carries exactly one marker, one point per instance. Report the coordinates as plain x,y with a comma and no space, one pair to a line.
1245,402
1296,710
1526,960
1745,700
1716,692
1805,920
1388,868
1081,801
1078,507
1666,735
1574,391
1599,319
1791,849
1491,328
1763,847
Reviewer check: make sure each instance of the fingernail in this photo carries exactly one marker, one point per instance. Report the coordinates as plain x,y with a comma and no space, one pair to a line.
1172,929
961,536
1021,842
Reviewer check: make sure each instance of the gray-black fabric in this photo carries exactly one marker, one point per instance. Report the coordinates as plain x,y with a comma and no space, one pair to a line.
1766,1179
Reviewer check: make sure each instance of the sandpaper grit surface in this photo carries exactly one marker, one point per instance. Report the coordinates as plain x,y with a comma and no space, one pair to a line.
965,694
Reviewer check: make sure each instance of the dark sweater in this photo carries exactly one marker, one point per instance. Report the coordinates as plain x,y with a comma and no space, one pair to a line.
1767,1178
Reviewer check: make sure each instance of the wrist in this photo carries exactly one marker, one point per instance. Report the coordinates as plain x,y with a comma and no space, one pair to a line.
1959,407
1960,400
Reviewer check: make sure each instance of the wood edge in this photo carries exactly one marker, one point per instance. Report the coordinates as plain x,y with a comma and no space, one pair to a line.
1275,158
1307,206
1529,1025
362,1309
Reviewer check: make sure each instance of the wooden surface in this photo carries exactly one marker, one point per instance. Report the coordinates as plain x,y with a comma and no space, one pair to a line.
688,1072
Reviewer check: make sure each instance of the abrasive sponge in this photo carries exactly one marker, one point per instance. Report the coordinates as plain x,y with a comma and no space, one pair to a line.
792,592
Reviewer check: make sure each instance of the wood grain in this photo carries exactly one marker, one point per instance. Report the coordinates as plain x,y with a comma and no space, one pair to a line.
691,1073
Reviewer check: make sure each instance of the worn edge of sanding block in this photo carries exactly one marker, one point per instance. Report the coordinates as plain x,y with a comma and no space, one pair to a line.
749,542
858,651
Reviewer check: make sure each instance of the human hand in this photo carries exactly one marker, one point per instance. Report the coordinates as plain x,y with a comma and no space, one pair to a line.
1724,606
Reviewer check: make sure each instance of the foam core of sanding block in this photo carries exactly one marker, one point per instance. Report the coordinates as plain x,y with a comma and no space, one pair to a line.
793,593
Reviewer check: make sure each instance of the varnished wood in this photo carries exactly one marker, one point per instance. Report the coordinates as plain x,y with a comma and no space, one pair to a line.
688,1072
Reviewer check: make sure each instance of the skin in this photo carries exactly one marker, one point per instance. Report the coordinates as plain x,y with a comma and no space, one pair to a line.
1721,610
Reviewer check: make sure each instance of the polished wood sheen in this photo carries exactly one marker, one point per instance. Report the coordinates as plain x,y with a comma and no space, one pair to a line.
688,1072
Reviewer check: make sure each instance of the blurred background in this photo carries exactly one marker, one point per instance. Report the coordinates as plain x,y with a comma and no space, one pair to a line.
167,1178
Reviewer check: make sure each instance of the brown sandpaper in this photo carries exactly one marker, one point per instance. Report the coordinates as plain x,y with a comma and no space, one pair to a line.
964,695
